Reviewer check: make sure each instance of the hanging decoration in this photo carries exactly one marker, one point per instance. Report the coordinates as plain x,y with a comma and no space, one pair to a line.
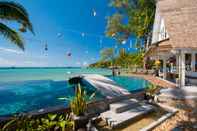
46,47
69,54
59,35
83,34
94,12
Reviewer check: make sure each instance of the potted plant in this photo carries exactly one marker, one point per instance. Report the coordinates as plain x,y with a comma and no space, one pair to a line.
78,107
150,92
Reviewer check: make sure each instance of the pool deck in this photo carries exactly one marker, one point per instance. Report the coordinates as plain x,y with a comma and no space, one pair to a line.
154,80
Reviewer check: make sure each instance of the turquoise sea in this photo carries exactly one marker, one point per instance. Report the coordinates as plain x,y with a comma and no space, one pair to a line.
30,89
56,74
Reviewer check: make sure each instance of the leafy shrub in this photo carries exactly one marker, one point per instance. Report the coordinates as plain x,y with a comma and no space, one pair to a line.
151,89
50,122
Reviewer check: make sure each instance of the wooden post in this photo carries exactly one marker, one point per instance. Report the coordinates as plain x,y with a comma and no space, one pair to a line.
164,69
182,69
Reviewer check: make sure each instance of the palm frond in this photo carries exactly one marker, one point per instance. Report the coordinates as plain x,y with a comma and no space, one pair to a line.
12,35
14,11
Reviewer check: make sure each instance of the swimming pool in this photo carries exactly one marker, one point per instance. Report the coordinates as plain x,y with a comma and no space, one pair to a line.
24,96
132,84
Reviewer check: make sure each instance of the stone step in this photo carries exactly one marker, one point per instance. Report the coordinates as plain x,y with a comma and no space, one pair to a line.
114,119
124,105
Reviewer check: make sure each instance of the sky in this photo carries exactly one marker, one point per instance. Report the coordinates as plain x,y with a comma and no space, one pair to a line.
75,27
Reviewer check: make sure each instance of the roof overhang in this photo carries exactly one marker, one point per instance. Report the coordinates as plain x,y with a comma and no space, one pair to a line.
159,47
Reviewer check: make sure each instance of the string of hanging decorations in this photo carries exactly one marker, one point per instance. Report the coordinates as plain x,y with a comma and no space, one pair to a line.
60,35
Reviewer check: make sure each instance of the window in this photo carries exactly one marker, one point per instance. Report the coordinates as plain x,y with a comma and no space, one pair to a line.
195,62
188,62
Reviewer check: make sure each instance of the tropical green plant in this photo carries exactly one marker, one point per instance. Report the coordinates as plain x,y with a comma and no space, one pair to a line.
12,11
78,104
20,123
107,54
124,60
132,18
55,122
101,64
151,89
50,122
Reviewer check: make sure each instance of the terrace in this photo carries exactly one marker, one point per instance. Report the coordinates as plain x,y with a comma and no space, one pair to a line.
110,99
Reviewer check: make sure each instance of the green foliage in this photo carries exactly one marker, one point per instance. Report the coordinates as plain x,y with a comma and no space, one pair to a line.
107,54
124,60
53,121
101,64
12,35
107,59
150,64
151,89
138,58
20,123
12,11
50,122
133,17
78,104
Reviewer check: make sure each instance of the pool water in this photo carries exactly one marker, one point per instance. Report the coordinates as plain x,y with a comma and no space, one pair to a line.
24,96
132,84
34,95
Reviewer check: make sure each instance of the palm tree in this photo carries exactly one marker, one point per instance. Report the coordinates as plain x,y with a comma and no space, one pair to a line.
132,18
12,11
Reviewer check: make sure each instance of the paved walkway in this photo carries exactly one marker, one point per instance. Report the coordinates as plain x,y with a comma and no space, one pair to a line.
155,80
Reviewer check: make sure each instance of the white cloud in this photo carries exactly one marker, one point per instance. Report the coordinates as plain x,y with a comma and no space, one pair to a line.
21,63
11,51
4,62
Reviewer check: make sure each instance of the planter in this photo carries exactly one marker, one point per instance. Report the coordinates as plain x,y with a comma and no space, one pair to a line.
148,97
80,122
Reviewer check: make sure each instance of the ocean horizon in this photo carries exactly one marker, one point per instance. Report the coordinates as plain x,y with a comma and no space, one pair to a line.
15,74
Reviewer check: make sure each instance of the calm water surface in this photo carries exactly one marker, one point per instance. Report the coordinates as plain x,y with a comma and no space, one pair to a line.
23,90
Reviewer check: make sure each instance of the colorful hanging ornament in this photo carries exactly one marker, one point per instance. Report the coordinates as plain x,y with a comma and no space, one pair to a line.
69,54
94,12
46,47
83,34
59,35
